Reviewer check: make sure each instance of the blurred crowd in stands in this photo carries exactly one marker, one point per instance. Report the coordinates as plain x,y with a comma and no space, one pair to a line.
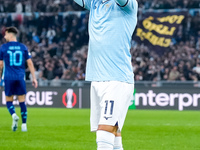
38,6
168,4
58,42
69,5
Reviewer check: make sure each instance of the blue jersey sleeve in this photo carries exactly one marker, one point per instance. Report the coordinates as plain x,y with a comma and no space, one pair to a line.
27,53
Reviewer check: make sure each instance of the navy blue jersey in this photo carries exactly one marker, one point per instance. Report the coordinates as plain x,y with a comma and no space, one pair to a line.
14,55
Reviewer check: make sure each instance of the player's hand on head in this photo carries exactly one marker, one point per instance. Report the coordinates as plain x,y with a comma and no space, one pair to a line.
35,83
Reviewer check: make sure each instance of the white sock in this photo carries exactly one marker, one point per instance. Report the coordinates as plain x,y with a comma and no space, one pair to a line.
13,115
118,143
105,140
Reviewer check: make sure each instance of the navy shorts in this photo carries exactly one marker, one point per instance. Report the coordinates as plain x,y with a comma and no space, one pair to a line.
15,87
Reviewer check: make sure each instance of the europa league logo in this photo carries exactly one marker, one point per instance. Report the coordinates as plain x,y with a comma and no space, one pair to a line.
68,96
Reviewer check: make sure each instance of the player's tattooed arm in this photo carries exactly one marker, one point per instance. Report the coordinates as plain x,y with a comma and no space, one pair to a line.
32,70
1,67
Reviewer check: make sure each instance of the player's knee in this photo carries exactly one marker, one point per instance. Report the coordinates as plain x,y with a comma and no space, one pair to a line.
9,98
21,98
108,128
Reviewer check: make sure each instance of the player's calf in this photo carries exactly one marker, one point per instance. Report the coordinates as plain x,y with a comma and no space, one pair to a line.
24,116
106,137
23,112
104,142
15,118
10,107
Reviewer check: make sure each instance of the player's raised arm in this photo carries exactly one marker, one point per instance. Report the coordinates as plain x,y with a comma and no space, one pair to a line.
84,3
129,4
1,67
32,70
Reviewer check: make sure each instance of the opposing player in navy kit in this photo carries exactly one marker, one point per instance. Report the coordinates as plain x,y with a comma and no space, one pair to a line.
13,56
111,25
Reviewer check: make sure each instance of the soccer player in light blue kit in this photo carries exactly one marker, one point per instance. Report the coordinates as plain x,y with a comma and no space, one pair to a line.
111,25
13,56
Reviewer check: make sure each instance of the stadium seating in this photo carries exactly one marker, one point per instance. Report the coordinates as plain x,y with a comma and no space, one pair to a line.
58,41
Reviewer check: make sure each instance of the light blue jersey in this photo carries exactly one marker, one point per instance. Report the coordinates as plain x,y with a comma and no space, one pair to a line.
110,30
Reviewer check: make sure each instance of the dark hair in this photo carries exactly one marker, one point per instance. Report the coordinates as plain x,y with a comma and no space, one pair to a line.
12,30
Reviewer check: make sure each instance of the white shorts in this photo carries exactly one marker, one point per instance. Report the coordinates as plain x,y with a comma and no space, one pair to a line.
109,103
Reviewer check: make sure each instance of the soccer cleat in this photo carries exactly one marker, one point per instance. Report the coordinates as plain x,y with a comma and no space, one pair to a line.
24,127
15,122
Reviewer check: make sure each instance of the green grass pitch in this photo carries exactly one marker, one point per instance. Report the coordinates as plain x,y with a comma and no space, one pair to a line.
68,129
